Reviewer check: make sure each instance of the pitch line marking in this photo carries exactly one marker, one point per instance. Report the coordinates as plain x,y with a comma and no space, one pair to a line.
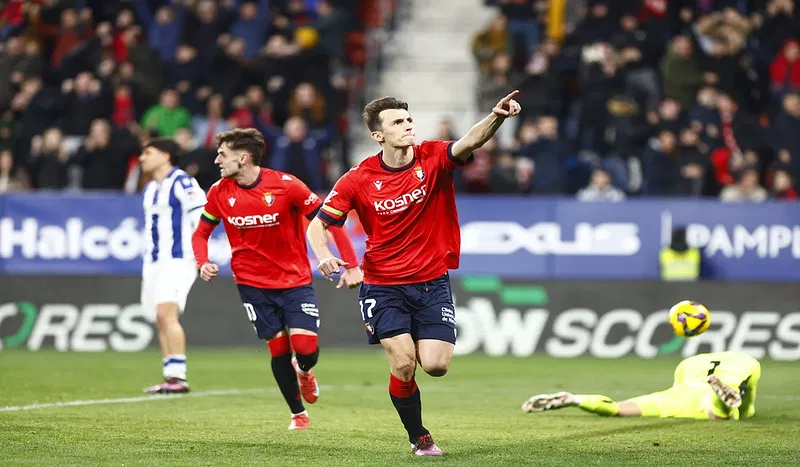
239,392
132,400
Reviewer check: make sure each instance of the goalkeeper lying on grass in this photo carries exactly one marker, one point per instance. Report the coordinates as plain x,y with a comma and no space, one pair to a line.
714,386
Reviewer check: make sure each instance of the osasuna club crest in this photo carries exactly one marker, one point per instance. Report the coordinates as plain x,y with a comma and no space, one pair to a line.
419,174
269,198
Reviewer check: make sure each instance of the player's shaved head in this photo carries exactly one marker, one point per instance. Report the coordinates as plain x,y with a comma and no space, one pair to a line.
372,111
248,140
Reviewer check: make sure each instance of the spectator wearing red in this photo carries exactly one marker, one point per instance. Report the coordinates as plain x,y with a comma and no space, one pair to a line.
785,69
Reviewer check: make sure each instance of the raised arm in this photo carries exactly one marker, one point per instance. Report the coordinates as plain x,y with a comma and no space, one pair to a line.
484,130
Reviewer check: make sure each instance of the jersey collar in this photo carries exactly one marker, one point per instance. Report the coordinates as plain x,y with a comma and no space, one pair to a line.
254,184
397,169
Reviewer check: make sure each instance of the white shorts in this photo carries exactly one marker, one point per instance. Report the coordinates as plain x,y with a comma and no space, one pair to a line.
167,282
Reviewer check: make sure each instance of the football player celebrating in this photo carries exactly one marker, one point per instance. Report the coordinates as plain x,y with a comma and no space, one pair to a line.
405,198
265,213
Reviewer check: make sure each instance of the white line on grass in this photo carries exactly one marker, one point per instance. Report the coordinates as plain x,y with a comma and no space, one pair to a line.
131,400
238,392
159,397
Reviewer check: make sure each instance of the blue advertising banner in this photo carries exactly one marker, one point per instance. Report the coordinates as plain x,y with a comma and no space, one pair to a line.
509,236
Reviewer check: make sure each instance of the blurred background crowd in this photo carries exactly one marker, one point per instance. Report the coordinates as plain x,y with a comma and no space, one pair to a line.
84,82
655,98
620,98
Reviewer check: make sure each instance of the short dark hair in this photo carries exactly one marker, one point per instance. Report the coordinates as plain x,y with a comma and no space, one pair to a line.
248,140
168,146
372,111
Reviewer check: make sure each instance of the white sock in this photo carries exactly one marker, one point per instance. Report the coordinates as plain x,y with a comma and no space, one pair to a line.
175,366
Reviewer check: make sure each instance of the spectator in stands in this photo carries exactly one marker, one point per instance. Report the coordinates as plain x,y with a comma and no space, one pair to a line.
197,160
7,131
207,127
184,73
692,163
11,70
331,24
741,140
165,30
522,23
124,110
167,116
598,82
503,176
491,41
161,66
782,186
36,107
746,189
228,63
252,26
542,83
85,99
475,177
11,178
298,151
48,166
206,24
638,49
103,158
308,103
600,189
682,73
785,135
785,70
66,38
445,130
548,154
493,86
661,166
12,18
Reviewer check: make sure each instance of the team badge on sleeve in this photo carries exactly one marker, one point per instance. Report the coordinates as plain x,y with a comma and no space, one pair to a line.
269,198
419,174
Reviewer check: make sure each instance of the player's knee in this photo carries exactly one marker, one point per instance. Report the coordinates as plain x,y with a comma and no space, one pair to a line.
404,367
437,368
166,316
307,361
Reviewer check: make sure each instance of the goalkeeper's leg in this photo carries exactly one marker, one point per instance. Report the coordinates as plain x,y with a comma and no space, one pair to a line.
597,404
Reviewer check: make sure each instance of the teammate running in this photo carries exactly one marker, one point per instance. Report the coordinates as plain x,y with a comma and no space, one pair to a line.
264,213
713,386
172,204
405,199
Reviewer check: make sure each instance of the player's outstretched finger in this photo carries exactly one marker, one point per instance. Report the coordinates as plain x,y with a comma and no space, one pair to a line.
510,95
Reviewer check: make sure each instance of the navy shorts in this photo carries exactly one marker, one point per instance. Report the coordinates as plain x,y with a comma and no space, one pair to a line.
274,310
425,310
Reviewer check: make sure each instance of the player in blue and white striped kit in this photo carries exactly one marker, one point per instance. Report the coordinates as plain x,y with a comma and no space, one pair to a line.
173,202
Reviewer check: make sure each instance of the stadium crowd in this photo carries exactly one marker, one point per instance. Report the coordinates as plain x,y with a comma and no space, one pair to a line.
653,98
620,97
84,82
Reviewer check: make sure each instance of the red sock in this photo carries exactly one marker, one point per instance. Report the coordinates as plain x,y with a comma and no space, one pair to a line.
401,389
406,400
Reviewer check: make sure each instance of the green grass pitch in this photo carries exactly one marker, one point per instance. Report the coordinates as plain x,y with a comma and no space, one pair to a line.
473,413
